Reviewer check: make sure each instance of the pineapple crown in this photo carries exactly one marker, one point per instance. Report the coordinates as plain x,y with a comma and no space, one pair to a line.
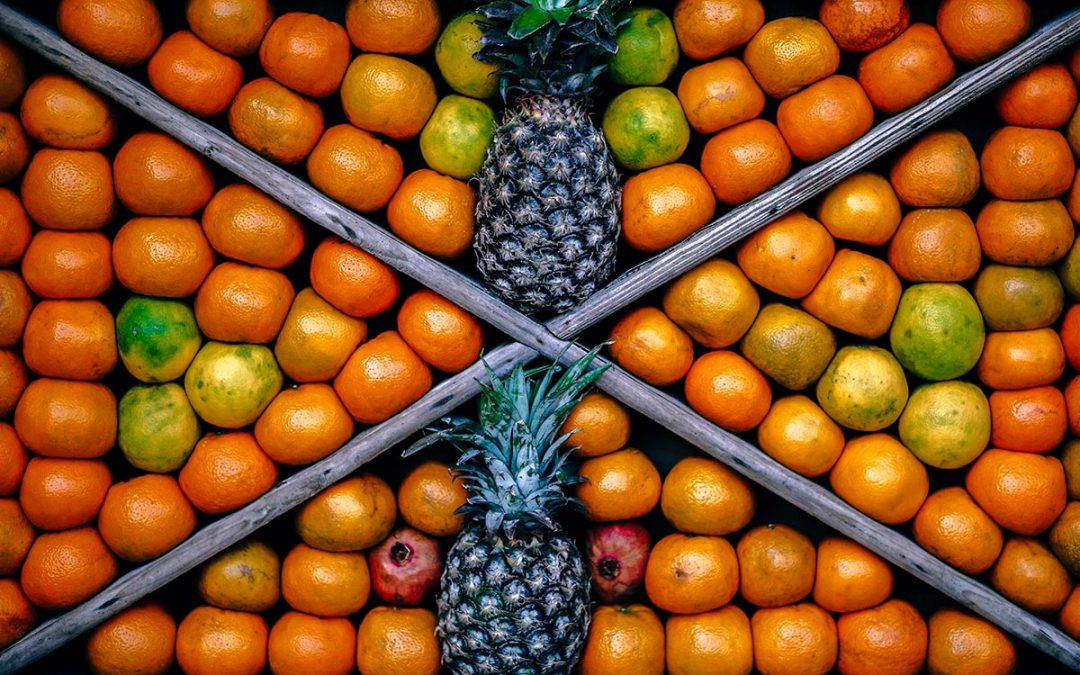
514,459
549,47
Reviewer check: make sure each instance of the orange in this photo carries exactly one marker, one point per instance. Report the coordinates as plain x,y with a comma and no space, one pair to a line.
144,517
306,53
1069,618
797,433
624,638
728,390
618,486
303,424
1065,537
691,574
429,497
167,257
889,638
850,577
325,583
953,527
601,425
18,535
393,27
233,27
708,28
388,95
350,515
14,147
396,641
447,337
939,169
790,346
13,380
709,643
123,33
297,641
58,494
274,121
69,190
978,30
881,478
194,76
1030,233
1028,574
861,208
1072,404
787,54
743,161
68,264
714,303
65,568
355,168
64,113
381,378
789,255
16,303
1028,420
702,496
157,176
719,94
776,566
649,345
245,577
13,459
1070,336
353,280
907,70
1020,359
316,339
664,205
964,644
140,639
795,640
211,640
73,339
12,74
434,213
1022,492
825,117
243,223
1070,458
226,471
935,245
858,293
14,228
62,418
17,615
243,303
1044,97
866,25
1019,163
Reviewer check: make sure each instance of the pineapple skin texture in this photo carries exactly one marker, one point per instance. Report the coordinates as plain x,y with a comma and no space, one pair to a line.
548,206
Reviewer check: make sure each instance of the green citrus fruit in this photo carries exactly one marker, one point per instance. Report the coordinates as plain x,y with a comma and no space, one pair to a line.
789,345
645,127
157,338
157,428
937,332
1069,271
456,137
455,55
648,50
864,388
1019,298
946,424
230,384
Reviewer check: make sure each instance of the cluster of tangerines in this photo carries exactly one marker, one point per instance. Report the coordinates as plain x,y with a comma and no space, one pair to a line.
934,325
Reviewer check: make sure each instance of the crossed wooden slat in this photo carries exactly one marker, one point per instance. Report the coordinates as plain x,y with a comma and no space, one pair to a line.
550,340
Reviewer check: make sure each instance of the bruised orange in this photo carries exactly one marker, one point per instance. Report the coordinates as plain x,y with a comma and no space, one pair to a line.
690,574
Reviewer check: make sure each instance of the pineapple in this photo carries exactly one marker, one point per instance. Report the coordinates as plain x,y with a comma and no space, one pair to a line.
514,595
548,201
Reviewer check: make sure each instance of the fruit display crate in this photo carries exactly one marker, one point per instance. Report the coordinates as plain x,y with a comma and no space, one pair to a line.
556,338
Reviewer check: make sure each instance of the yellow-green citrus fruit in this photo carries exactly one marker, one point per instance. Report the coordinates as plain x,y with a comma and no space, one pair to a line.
1069,271
946,424
456,137
938,332
157,338
157,428
648,50
455,55
789,345
1019,298
230,384
864,388
646,127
